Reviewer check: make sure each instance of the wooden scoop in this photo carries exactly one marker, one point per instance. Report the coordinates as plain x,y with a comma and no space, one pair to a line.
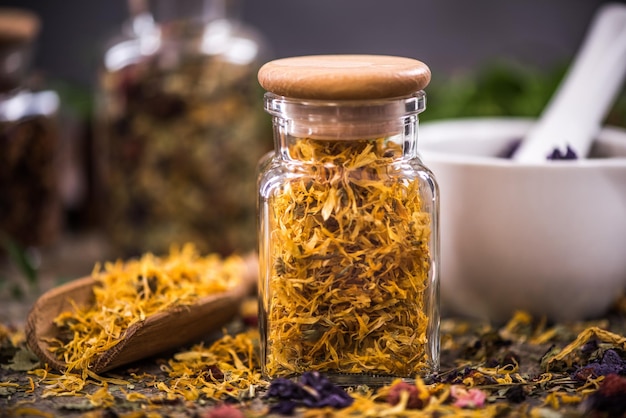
159,332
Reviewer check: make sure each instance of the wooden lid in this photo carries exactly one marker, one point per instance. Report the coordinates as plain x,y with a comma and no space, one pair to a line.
18,25
344,77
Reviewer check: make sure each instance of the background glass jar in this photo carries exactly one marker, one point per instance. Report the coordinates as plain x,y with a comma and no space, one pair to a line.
30,201
181,129
348,241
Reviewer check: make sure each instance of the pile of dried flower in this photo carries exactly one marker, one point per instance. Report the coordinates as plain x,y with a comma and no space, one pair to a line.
584,377
133,290
525,368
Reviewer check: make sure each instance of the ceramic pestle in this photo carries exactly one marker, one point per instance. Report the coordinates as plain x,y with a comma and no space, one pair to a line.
574,114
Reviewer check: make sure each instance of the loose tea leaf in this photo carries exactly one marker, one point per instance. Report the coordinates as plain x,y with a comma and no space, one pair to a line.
23,360
349,263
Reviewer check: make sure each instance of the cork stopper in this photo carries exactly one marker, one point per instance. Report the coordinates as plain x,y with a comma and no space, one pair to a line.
17,25
344,77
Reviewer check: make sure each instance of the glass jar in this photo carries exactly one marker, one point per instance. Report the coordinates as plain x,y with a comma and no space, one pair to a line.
181,129
30,200
348,222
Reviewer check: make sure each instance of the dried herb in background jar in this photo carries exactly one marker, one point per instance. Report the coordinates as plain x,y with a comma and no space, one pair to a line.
30,202
348,222
181,129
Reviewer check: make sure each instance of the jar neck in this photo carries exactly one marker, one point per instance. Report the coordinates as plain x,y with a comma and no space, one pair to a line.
171,13
323,131
174,29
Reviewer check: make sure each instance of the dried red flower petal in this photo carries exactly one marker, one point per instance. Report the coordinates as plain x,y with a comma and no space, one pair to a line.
223,411
609,398
394,395
613,385
215,372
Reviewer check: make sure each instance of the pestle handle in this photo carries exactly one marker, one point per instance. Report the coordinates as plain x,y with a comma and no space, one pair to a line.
574,114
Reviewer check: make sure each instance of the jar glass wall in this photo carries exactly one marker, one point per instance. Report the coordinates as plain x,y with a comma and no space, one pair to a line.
348,242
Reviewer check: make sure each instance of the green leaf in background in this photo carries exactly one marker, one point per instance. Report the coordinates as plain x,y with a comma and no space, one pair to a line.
20,257
74,97
502,89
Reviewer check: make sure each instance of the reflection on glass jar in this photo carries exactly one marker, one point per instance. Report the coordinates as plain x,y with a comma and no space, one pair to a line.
180,129
30,204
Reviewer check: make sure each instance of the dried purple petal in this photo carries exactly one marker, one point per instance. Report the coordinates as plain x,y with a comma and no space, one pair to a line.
336,400
284,407
313,391
589,347
557,154
316,381
611,363
510,149
282,388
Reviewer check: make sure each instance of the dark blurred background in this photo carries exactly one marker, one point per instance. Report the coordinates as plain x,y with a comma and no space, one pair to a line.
450,35
488,58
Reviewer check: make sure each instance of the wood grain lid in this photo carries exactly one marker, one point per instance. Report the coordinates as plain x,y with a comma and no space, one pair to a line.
18,25
344,77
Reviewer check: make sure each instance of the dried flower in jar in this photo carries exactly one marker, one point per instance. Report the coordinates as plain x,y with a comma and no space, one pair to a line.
350,263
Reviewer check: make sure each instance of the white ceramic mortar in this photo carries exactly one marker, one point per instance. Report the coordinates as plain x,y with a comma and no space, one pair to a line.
548,238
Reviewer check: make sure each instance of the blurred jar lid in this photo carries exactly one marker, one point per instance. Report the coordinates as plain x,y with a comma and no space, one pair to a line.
18,25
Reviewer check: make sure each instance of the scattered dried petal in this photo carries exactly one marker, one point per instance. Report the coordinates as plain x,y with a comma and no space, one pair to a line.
611,363
223,411
313,391
464,398
610,398
515,394
414,400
